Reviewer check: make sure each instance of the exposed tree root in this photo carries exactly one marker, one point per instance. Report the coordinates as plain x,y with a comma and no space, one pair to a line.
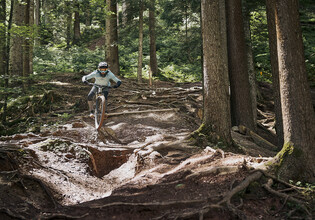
60,216
268,185
214,171
11,214
141,112
103,131
92,160
242,186
46,190
182,202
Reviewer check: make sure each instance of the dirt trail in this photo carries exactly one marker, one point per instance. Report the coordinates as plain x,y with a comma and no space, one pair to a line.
138,166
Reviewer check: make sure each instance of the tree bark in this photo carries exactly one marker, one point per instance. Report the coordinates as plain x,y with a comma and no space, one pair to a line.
216,118
76,26
271,7
250,60
140,50
241,103
37,12
32,34
69,24
111,42
16,41
124,12
88,14
3,40
27,40
46,8
153,59
37,21
297,156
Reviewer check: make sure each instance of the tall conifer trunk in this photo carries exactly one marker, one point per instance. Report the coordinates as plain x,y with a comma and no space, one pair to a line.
271,7
111,37
297,156
16,41
3,40
250,59
140,48
26,43
153,59
76,26
216,117
241,104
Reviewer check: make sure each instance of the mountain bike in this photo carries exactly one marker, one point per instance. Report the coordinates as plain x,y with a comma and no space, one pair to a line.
100,105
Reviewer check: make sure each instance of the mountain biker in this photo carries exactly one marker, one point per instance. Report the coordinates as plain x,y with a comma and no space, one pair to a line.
102,77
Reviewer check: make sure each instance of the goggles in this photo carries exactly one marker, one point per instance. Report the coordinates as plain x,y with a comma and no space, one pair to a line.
103,69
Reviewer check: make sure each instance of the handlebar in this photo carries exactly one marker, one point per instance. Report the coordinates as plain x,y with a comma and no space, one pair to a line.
98,86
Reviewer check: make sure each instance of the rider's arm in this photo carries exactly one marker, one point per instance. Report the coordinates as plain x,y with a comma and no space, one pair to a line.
115,79
90,76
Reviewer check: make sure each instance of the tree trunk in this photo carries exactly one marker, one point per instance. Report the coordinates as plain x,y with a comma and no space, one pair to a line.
76,26
88,14
153,59
270,6
28,39
37,21
3,56
124,12
37,12
69,24
26,44
241,104
217,116
296,159
16,41
250,61
140,55
46,8
111,42
32,35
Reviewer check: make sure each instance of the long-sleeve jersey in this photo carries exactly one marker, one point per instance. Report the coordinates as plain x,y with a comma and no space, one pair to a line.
100,80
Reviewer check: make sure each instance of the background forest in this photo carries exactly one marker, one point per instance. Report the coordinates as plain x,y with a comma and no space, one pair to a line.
68,36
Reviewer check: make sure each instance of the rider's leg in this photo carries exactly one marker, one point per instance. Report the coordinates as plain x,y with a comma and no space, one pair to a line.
90,100
90,103
106,95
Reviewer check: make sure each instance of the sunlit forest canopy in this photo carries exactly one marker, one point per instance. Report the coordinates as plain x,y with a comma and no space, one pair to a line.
178,37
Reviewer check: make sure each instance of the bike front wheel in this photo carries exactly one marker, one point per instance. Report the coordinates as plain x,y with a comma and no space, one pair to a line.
100,107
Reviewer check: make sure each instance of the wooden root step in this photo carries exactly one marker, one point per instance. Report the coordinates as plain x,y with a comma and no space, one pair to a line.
144,111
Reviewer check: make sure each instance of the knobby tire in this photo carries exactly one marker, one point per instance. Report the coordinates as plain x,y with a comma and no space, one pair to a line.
99,111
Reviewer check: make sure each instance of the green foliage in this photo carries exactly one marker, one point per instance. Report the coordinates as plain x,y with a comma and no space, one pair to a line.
53,59
178,38
182,73
259,37
65,116
308,27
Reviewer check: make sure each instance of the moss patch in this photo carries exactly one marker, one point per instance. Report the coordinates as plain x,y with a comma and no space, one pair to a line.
205,136
288,150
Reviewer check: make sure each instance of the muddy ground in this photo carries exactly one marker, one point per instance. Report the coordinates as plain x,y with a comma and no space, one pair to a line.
142,164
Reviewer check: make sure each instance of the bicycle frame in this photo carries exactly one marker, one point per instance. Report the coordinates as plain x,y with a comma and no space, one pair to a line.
100,105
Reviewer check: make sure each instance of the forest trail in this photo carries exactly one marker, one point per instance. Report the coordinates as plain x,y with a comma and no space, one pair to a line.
140,165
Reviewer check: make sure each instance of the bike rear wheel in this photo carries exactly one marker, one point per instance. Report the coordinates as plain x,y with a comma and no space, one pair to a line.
100,107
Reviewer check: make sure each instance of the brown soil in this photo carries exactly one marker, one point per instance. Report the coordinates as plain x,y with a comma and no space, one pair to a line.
140,165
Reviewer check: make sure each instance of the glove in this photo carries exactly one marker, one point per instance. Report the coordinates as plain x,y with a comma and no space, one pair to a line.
83,79
117,84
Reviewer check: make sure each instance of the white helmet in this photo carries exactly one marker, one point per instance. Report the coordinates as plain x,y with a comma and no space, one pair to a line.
103,64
